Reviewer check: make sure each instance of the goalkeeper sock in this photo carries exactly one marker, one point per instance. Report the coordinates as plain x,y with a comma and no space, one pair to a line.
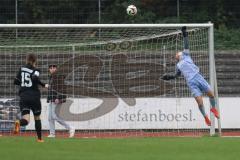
38,128
23,122
212,102
202,110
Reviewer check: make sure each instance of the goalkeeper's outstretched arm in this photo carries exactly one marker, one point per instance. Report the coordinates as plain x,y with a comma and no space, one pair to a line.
168,77
185,39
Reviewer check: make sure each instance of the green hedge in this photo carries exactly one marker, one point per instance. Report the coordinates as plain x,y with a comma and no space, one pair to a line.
226,39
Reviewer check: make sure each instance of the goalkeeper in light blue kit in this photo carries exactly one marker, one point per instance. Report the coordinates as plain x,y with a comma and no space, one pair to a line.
195,81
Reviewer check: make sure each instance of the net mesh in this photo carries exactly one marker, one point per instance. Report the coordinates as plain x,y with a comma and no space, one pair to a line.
111,77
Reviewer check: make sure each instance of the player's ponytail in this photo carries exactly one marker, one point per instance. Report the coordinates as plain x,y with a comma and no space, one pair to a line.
31,59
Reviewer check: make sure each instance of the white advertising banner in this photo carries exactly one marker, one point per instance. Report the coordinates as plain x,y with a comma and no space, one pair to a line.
140,113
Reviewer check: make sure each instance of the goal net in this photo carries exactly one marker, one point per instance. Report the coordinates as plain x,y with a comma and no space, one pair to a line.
111,76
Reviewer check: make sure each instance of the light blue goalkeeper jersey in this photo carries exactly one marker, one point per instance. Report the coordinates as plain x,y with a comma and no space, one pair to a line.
187,67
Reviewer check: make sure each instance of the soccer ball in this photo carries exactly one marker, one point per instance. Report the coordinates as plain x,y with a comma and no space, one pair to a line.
131,10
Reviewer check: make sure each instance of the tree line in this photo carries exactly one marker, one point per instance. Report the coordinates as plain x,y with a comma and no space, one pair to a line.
220,12
223,13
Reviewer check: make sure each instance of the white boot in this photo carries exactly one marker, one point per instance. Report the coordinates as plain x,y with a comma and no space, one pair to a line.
51,136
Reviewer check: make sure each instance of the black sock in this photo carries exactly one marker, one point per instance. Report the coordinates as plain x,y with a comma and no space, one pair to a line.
23,122
38,128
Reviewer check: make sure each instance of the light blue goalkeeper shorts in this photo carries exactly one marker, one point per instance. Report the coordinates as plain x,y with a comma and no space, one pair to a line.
198,85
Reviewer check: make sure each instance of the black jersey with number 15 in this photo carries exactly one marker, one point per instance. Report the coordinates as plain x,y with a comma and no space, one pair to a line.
28,80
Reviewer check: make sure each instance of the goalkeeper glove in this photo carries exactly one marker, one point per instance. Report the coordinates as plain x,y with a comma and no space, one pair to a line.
184,31
168,77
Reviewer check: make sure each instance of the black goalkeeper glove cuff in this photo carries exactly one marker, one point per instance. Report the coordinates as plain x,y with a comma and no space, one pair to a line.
168,77
184,31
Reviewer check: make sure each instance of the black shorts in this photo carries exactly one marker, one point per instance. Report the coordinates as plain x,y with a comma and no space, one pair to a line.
30,103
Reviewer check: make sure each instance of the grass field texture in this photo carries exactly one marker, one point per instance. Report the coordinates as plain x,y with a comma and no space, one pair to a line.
162,148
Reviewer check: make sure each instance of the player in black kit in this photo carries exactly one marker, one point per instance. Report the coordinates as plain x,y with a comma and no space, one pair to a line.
28,80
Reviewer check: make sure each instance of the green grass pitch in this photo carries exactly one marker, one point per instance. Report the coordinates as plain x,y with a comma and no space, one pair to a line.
162,148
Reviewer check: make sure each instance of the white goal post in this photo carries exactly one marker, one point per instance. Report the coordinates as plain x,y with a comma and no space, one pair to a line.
111,75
